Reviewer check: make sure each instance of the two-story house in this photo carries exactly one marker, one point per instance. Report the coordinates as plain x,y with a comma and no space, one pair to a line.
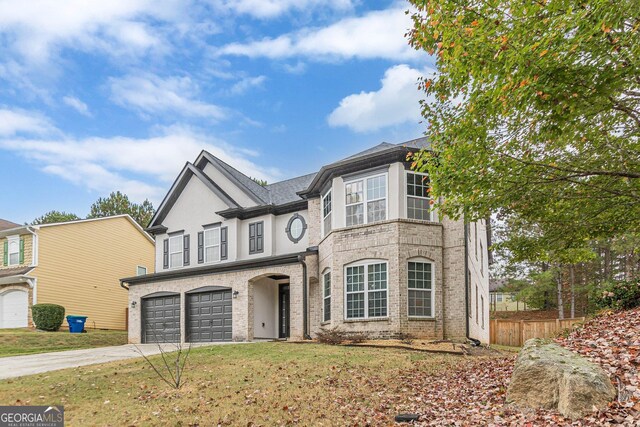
75,264
355,245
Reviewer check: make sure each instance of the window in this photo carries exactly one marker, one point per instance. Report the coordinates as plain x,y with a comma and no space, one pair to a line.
326,213
366,291
418,200
366,199
469,293
296,227
141,271
482,307
475,236
256,237
175,251
14,250
481,259
326,295
476,304
420,284
212,244
498,297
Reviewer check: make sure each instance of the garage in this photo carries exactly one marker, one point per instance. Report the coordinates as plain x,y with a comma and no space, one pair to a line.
14,309
209,315
161,318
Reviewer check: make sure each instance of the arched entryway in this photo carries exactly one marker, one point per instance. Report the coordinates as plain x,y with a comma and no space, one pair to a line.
271,306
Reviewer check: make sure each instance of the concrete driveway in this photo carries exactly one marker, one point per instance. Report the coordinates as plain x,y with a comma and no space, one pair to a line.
18,366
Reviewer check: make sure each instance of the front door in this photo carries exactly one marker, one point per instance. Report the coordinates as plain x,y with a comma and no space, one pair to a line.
283,311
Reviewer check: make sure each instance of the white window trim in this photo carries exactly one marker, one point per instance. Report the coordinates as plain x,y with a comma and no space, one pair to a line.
406,196
13,239
365,213
204,245
325,296
181,237
322,215
138,267
366,265
433,288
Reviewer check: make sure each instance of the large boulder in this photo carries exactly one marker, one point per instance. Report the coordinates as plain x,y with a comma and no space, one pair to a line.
551,377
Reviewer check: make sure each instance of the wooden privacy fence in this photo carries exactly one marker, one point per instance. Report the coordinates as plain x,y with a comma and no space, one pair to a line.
514,333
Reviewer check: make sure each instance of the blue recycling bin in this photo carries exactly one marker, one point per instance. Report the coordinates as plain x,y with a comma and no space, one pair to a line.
76,323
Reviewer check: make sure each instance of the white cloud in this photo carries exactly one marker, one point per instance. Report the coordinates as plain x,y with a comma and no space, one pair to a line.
377,34
77,105
148,93
38,28
140,167
396,102
16,121
247,83
273,8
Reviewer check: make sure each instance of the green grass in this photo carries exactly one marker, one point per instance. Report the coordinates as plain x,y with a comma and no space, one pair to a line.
15,342
263,383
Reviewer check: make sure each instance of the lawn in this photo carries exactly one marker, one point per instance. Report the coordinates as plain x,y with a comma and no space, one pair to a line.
14,342
260,383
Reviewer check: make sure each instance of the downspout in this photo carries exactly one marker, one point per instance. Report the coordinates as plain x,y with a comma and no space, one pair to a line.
305,327
474,341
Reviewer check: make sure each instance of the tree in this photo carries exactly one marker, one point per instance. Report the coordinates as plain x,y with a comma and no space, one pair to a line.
260,182
55,216
534,111
117,204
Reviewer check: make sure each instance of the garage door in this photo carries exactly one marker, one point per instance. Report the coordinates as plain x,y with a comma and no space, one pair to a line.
161,319
14,309
209,316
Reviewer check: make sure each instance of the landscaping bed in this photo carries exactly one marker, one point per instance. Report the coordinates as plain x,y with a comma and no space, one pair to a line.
15,342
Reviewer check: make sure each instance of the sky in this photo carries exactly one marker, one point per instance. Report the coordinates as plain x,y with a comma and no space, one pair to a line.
98,96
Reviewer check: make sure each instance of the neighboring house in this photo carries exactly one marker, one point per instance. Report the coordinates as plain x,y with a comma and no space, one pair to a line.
501,299
354,245
75,264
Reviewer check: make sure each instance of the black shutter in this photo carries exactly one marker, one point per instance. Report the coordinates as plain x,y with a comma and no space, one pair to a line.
200,247
224,238
260,237
186,253
252,238
165,253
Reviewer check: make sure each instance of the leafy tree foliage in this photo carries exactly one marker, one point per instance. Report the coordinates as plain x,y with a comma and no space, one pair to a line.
117,204
534,112
55,216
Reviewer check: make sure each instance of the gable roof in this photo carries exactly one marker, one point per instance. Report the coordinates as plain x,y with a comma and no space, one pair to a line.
287,191
104,218
5,225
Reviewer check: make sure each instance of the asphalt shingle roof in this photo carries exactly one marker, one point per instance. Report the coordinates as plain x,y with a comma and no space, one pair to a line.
5,225
285,191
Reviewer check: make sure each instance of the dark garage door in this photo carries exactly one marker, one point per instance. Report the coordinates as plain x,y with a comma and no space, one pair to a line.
209,316
161,319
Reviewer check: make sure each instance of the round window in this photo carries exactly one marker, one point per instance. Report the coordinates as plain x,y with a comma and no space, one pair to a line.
295,228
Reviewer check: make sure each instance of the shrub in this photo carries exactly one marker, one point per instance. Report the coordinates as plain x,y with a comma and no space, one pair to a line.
47,317
331,336
406,338
356,337
619,295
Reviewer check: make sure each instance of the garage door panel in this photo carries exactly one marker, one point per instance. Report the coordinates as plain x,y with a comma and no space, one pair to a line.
14,309
209,316
161,319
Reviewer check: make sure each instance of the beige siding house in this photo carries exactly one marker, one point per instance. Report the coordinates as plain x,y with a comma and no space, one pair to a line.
355,246
75,264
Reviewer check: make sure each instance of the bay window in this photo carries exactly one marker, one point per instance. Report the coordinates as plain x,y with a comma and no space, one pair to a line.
418,200
420,289
326,296
366,200
326,213
366,290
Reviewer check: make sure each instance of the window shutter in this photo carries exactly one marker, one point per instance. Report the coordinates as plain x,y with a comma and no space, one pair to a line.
252,238
165,253
200,247
21,251
186,252
6,253
224,234
260,237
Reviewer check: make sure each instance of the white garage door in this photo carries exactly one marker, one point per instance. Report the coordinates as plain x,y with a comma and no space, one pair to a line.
14,308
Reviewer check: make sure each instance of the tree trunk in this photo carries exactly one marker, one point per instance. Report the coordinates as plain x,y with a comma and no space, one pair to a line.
560,302
572,281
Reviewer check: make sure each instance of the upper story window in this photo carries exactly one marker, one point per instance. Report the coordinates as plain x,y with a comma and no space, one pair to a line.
141,270
176,251
366,199
366,290
256,237
13,250
296,227
326,213
420,289
326,296
418,200
211,244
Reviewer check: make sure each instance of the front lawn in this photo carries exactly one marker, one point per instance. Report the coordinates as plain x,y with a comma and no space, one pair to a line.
263,383
15,342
